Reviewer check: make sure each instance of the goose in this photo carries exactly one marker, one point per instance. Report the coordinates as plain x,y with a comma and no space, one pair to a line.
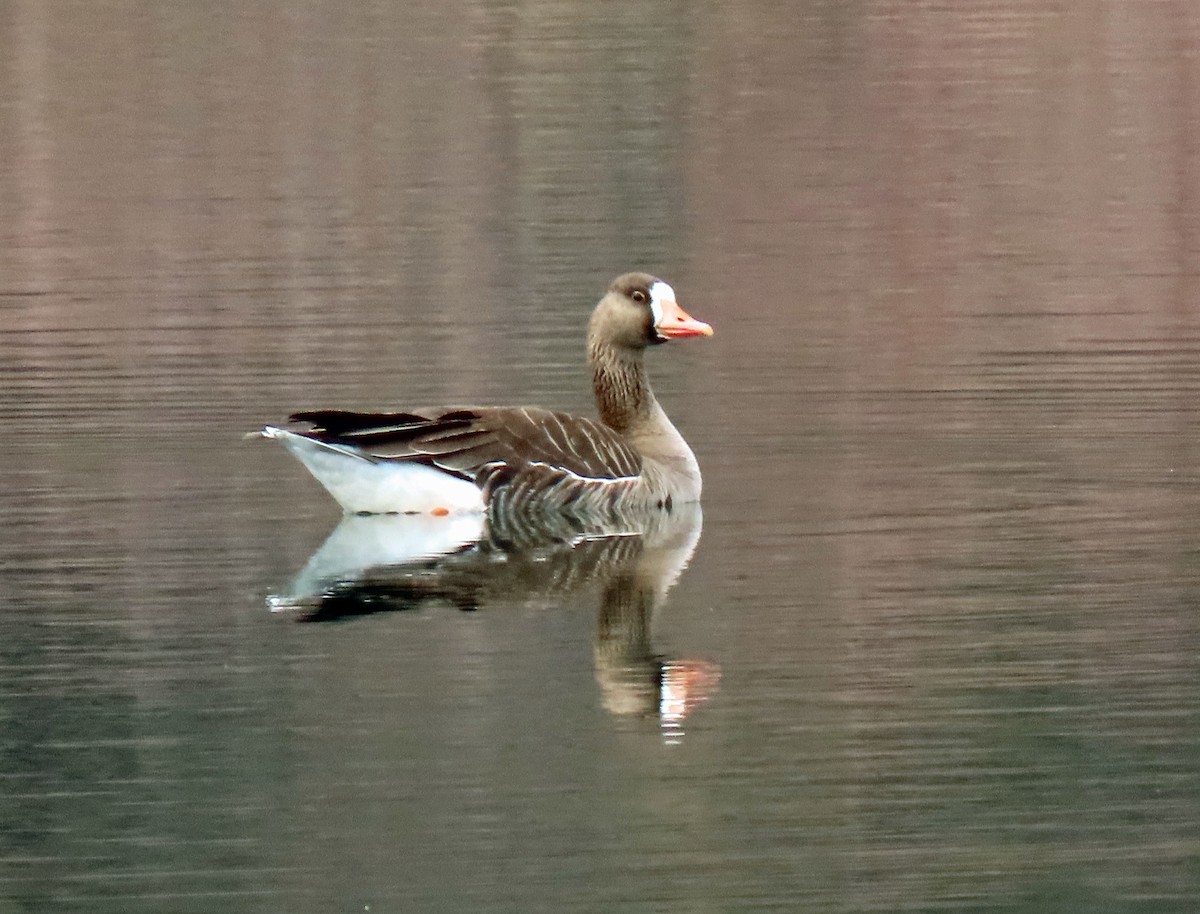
500,460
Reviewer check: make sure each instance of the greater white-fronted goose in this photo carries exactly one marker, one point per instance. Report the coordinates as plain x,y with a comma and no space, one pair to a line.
504,459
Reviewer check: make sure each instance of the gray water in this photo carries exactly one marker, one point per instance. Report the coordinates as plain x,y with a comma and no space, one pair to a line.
944,599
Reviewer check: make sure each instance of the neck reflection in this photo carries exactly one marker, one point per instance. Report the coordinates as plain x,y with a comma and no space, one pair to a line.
371,564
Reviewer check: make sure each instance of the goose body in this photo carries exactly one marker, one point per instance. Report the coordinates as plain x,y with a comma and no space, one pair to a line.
517,459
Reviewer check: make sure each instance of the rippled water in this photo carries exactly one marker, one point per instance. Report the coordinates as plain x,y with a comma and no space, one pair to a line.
936,647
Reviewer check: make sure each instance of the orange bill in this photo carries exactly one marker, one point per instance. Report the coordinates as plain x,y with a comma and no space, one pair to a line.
676,323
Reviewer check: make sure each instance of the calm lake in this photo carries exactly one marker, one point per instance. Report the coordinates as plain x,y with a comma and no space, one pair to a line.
933,643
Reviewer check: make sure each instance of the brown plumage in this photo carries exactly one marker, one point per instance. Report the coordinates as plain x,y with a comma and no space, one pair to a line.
526,458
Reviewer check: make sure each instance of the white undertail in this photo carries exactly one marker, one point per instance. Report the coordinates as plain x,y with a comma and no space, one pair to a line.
365,486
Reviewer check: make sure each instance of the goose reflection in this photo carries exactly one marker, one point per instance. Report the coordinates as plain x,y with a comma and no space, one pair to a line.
381,563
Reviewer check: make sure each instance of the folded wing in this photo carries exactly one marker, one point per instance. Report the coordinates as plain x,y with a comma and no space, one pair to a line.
486,444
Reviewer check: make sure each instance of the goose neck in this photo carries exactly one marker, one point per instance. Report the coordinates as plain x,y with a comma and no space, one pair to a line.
622,387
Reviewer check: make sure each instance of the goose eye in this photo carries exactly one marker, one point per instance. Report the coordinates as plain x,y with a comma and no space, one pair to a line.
639,296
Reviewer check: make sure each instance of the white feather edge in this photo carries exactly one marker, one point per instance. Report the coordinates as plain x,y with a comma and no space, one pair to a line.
589,480
362,485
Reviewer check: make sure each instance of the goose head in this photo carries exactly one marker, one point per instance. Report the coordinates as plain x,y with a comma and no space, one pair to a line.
640,310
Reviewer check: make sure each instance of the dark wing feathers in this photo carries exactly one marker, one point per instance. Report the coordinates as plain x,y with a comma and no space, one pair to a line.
474,441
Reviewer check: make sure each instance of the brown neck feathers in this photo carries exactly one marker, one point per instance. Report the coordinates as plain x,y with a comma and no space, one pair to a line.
623,394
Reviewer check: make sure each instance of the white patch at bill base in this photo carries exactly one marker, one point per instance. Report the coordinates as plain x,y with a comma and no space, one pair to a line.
660,292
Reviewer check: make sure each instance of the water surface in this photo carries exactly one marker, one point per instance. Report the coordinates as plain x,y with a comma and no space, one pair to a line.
947,582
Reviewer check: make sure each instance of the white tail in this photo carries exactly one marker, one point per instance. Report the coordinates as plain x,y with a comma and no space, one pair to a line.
365,486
